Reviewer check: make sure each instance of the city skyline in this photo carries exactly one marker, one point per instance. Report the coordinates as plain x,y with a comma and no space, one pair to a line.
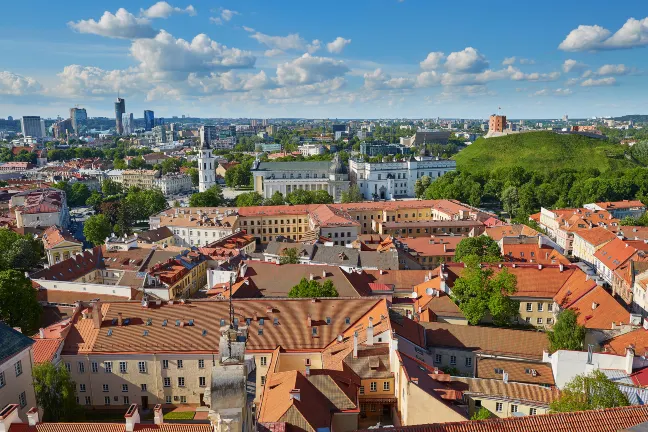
396,59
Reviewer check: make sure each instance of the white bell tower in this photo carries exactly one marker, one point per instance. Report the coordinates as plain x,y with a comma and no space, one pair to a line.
206,168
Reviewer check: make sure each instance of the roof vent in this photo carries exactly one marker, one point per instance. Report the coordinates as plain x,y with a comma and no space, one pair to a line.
204,332
164,323
146,333
109,332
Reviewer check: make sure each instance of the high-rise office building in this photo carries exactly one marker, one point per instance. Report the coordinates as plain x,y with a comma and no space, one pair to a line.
149,120
78,116
128,123
9,118
120,109
32,126
264,122
207,134
253,123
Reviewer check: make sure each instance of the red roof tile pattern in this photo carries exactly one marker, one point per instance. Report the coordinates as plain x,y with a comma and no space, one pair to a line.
109,427
518,371
637,339
618,251
45,349
515,230
54,236
596,236
599,310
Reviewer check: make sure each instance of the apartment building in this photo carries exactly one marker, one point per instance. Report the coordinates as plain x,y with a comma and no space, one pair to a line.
561,224
197,226
588,241
620,209
40,208
16,362
60,245
141,178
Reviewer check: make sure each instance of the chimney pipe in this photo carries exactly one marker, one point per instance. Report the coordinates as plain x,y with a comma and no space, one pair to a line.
370,333
120,320
32,416
97,318
355,345
312,276
132,417
158,416
41,333
630,353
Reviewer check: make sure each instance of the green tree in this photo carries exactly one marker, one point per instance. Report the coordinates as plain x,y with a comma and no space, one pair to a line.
480,291
97,228
195,176
238,175
299,196
212,197
589,392
110,187
353,195
289,256
94,200
484,248
510,200
312,288
120,164
421,185
137,163
249,199
482,414
321,197
19,306
19,252
79,194
171,165
276,199
55,392
566,333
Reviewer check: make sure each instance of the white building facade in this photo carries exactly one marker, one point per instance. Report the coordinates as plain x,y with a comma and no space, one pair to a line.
173,184
391,180
206,167
311,149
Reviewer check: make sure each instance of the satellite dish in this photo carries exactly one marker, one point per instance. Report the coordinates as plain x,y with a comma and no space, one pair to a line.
414,295
429,291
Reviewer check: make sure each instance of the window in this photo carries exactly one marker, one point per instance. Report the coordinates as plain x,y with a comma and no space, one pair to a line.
499,407
386,386
106,400
167,382
264,361
68,366
499,371
263,380
529,307
453,360
549,320
202,382
528,320
180,365
180,381
362,390
373,386
126,400
122,367
95,367
108,367
550,309
468,361
18,368
144,387
22,400
88,400
141,366
514,408
533,411
165,364
82,388
201,364
539,320
2,380
124,388
183,399
437,358
540,307
105,388
167,399
81,367
478,403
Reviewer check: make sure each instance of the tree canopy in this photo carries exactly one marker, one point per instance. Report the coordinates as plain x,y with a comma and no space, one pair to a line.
483,248
312,288
588,392
19,252
212,197
353,195
97,228
301,196
55,392
19,306
249,199
566,333
289,256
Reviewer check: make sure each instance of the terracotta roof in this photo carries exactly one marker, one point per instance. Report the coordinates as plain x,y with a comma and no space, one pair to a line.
71,297
290,330
638,339
518,371
372,362
439,303
625,204
576,286
330,216
45,349
109,427
533,253
599,310
400,279
515,230
529,393
54,235
605,420
431,246
618,251
72,268
533,281
596,236
155,235
490,340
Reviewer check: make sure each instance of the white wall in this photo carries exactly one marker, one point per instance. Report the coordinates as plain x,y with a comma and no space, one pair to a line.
88,288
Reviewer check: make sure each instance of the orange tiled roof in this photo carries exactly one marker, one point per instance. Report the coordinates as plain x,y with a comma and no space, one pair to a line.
108,427
599,310
577,285
618,251
530,393
533,253
620,204
432,246
638,339
596,236
45,349
55,235
515,230
518,371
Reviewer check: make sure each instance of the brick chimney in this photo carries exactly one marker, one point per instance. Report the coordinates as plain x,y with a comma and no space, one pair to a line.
132,417
9,416
97,318
158,415
32,416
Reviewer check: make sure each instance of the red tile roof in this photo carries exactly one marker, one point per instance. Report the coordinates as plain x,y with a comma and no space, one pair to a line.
625,204
55,235
605,420
599,310
533,253
108,427
45,349
638,339
596,236
618,251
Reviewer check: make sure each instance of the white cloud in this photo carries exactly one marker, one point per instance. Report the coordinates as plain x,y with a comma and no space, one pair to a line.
428,79
225,16
573,65
167,55
294,94
122,24
432,61
88,81
313,46
308,69
464,79
508,61
163,9
572,82
273,52
17,85
337,45
592,82
290,42
553,92
466,61
634,33
229,81
518,75
610,69
379,80
526,61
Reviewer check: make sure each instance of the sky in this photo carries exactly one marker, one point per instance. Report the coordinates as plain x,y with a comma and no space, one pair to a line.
325,59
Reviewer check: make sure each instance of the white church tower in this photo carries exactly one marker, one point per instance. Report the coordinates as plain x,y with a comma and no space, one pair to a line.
206,167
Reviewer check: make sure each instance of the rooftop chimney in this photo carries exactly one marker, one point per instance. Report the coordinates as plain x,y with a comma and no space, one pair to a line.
370,332
561,267
120,320
312,276
9,416
132,417
41,333
295,394
630,353
355,345
307,373
97,318
323,273
158,415
32,416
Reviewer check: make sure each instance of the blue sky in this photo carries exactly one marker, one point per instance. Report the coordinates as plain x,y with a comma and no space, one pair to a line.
346,59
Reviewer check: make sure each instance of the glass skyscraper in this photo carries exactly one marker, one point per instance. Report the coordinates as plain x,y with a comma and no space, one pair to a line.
79,116
120,109
149,120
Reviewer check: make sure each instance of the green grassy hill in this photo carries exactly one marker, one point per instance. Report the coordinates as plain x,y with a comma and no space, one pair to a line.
541,151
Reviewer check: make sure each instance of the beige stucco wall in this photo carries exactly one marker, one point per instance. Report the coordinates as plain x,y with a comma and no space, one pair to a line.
15,385
547,314
490,405
423,408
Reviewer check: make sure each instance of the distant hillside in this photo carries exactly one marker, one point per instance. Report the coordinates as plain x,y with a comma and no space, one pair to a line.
541,151
637,118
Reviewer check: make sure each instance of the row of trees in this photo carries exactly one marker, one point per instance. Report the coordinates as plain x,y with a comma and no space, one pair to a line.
523,192
295,198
